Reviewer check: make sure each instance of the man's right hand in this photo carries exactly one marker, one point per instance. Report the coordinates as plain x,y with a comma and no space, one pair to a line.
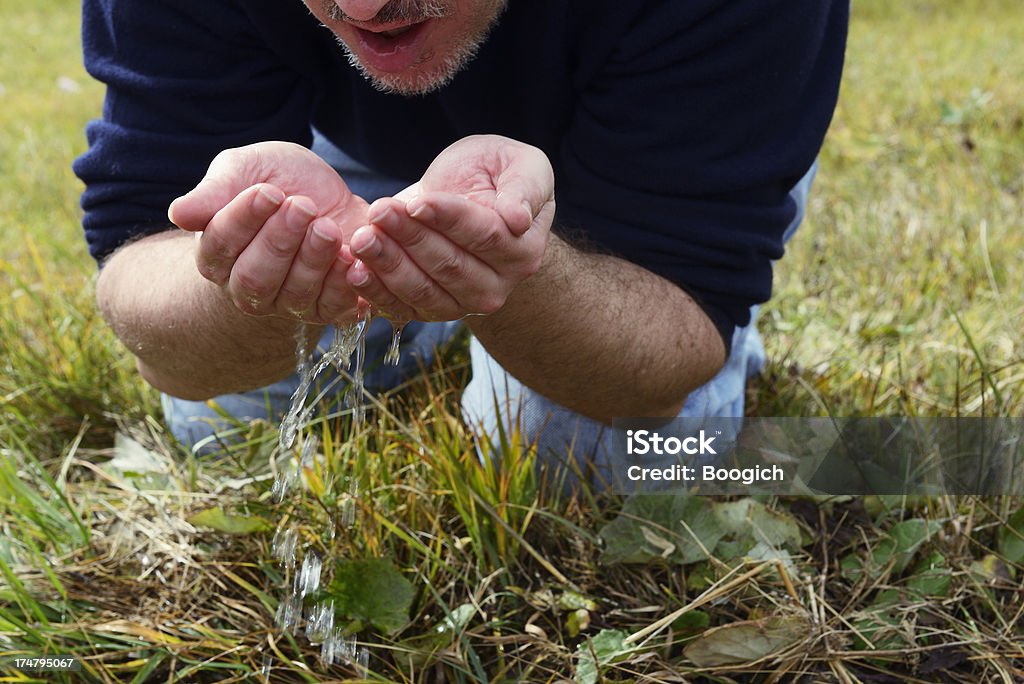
274,221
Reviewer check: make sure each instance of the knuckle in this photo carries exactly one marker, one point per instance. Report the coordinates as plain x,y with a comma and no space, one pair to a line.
421,294
213,249
251,287
278,246
490,240
450,269
389,261
415,237
296,300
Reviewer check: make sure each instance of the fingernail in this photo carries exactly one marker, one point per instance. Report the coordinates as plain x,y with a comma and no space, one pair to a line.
274,198
170,210
363,244
305,207
360,276
421,211
379,214
323,235
369,248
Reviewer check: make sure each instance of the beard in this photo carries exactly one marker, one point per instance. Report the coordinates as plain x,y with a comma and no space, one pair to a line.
431,72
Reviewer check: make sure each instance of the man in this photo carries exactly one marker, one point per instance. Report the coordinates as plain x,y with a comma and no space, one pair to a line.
596,188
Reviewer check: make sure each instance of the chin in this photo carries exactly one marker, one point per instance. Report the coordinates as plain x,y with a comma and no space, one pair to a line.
430,74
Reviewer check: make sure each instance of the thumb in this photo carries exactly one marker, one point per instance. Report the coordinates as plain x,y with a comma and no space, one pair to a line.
224,180
525,189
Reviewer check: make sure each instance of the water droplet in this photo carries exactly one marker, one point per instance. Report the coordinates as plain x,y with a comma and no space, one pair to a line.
348,505
308,581
363,659
289,612
266,667
283,546
320,624
354,396
393,355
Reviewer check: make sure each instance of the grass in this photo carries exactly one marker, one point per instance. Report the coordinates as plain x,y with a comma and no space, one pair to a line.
900,296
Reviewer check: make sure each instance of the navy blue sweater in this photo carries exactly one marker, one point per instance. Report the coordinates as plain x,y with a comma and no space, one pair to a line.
675,127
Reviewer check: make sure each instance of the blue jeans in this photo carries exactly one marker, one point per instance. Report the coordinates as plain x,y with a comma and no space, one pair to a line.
493,398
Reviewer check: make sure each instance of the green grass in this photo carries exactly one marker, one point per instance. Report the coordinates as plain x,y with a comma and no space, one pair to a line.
901,295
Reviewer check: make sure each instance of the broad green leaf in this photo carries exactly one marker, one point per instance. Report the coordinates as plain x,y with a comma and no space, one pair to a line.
877,632
222,521
909,535
675,527
851,568
1011,538
599,651
750,519
897,548
692,622
745,642
373,591
931,577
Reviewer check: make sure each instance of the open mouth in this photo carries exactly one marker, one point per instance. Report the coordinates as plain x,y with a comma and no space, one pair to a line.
387,46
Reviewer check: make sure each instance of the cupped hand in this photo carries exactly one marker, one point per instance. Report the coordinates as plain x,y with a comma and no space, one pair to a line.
459,241
274,222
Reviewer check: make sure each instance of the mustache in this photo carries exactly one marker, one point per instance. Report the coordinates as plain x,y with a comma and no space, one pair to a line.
396,11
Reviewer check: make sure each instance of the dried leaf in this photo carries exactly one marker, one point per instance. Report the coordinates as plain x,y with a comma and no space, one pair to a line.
746,642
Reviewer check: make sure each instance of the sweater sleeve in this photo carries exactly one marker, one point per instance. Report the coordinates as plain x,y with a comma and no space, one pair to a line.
690,134
184,80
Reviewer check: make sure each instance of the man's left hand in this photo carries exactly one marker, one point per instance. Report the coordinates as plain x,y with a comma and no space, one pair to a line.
457,242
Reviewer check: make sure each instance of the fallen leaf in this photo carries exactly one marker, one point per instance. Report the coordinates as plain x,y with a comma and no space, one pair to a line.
746,642
222,521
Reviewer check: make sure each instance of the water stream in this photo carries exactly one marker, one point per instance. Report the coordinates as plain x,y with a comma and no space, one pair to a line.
347,351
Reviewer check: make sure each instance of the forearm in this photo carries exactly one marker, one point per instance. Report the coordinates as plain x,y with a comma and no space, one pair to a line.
603,336
187,336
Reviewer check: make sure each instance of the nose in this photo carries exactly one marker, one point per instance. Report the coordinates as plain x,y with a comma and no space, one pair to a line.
361,10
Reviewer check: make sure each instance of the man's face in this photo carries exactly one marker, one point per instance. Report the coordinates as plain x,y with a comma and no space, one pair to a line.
409,46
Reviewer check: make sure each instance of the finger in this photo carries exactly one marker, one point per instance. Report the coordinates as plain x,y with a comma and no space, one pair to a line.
482,232
469,280
383,265
226,177
305,278
232,228
468,224
382,301
261,268
337,302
